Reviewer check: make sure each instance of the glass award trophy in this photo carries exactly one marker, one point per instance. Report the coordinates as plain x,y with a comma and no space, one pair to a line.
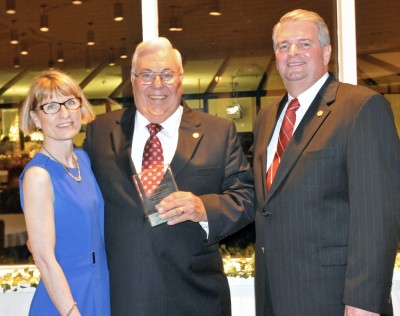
153,185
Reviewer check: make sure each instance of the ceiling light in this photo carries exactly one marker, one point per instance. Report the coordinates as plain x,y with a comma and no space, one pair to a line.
90,35
217,78
14,34
214,8
175,24
10,7
24,46
76,2
44,21
118,12
60,53
123,53
16,63
111,58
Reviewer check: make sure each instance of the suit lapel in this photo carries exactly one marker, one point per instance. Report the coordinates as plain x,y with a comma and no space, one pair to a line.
121,137
313,119
190,135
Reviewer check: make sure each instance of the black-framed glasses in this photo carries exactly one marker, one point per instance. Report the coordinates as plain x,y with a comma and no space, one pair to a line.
167,76
54,107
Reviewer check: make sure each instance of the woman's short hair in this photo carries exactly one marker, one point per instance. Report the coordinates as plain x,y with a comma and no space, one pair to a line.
47,84
304,15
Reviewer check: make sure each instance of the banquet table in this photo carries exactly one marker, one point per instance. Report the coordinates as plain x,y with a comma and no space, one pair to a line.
14,230
242,296
396,292
16,303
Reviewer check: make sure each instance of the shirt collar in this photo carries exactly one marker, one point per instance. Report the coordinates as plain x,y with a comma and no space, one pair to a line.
308,96
170,125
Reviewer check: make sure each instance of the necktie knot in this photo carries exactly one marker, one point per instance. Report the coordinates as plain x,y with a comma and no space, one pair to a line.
154,128
294,105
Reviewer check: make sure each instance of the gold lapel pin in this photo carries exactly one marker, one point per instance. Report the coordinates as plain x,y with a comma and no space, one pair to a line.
195,135
320,113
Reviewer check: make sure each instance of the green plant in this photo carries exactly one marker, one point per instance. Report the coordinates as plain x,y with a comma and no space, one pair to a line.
19,279
238,263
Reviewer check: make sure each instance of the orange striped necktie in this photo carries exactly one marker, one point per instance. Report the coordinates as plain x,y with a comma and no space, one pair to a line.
285,134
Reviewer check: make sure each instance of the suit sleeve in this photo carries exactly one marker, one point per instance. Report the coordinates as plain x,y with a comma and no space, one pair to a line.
234,208
86,141
373,163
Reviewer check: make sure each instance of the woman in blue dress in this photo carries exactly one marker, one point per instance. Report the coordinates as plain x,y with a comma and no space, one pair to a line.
62,203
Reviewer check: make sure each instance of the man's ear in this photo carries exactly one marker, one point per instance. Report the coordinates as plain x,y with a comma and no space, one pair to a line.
327,54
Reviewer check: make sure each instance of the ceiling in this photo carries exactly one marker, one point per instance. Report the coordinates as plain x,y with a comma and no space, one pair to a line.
236,45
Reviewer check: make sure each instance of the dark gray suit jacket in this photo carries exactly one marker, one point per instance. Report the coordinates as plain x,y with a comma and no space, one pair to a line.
171,270
328,230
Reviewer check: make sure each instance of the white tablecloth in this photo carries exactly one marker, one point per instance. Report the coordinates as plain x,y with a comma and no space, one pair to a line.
14,230
15,303
396,293
242,292
242,296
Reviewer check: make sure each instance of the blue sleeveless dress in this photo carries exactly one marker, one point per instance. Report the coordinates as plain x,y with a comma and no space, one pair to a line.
79,248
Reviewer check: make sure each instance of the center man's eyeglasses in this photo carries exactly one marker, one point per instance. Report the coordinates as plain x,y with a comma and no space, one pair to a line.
147,77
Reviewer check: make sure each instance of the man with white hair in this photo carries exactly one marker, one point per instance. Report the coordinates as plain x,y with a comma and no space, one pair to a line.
173,269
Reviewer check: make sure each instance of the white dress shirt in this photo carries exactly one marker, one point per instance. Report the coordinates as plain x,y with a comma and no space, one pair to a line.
168,137
305,99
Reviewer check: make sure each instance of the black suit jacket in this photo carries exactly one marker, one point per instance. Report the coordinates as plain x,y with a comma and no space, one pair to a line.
328,230
171,270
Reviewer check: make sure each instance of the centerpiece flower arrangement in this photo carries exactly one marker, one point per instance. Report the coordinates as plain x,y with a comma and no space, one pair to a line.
19,279
238,264
242,265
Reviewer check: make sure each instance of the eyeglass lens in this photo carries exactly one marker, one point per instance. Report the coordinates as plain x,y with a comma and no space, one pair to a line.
54,107
167,77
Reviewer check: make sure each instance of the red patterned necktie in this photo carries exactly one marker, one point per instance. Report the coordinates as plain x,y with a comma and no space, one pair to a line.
152,157
285,134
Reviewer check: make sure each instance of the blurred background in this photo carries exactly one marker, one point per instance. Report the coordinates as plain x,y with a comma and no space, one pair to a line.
227,54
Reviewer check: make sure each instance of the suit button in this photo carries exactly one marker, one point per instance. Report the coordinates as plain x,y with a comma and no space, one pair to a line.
263,249
266,213
146,218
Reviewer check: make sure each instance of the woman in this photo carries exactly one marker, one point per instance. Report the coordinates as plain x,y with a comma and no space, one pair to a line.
62,203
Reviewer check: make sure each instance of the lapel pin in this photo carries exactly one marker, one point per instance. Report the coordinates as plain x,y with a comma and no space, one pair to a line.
320,113
195,135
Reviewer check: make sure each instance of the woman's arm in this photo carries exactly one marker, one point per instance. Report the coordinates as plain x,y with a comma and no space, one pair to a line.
39,216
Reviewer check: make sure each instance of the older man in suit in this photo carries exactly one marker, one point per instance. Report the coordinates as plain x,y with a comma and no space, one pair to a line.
175,268
327,179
